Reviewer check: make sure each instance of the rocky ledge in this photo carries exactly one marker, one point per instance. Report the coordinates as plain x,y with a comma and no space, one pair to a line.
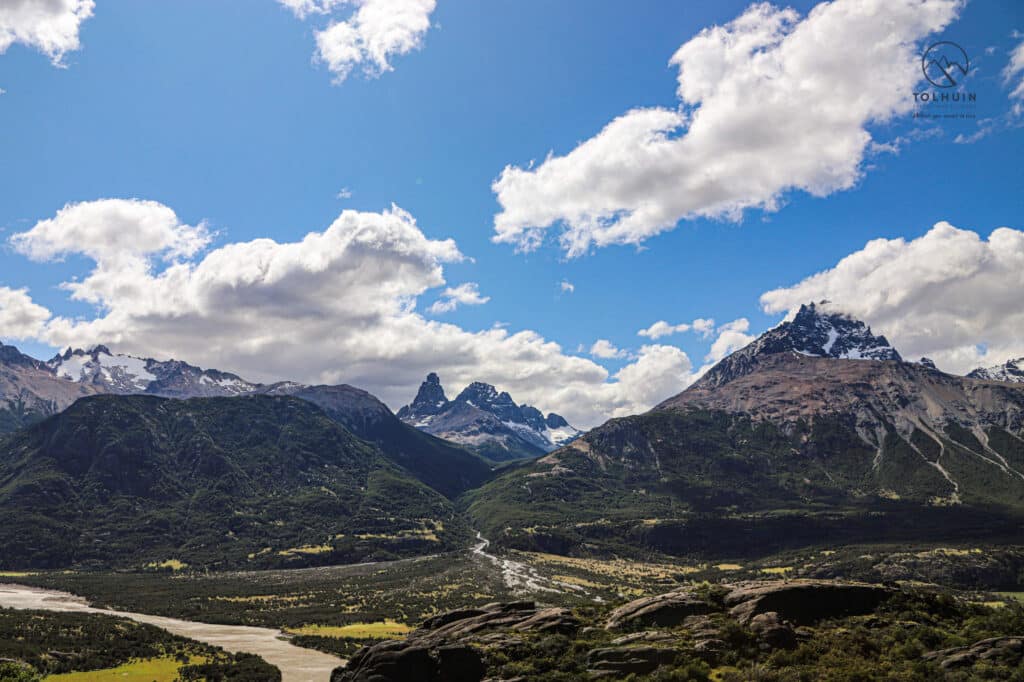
652,632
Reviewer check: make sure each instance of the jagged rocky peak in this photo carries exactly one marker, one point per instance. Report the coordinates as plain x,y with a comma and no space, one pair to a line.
487,397
98,366
10,355
927,362
817,330
430,400
1011,370
555,421
486,419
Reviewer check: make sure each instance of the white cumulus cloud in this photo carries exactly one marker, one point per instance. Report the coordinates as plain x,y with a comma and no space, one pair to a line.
769,102
20,318
453,297
50,26
731,337
605,349
662,328
950,295
336,306
374,33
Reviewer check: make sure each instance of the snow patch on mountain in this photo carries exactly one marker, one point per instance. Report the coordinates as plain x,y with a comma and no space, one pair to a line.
125,374
1011,370
485,418
814,331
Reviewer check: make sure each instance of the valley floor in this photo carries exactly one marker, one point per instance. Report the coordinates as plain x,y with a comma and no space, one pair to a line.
339,609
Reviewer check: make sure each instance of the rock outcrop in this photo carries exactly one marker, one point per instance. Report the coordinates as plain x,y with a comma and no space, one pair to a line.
663,610
1002,650
446,647
803,601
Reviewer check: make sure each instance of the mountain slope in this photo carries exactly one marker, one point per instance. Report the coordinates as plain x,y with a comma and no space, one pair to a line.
489,422
261,481
442,465
29,390
75,373
789,441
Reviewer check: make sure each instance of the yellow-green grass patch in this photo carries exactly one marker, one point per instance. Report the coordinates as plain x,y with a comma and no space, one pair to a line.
777,570
173,564
1018,596
163,669
388,629
306,549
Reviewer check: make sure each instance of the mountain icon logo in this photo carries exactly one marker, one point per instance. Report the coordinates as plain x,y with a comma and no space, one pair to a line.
945,64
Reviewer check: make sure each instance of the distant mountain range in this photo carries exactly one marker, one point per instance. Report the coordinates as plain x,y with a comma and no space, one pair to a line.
261,481
486,421
816,432
31,390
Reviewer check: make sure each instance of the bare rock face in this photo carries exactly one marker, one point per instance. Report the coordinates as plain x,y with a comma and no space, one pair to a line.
618,662
395,660
802,601
1001,650
446,647
664,610
773,632
30,391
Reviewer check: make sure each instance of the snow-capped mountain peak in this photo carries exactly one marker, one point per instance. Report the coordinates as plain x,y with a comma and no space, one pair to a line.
98,366
124,374
1011,370
814,331
486,419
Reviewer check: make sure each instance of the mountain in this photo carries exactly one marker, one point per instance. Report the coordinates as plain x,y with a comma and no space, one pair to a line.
30,391
219,482
40,389
1011,370
444,466
813,332
815,433
126,374
488,422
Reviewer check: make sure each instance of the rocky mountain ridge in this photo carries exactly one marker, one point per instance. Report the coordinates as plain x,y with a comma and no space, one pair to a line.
817,429
489,421
31,390
1011,370
813,332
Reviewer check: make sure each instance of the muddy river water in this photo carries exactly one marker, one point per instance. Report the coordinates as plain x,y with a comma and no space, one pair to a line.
297,664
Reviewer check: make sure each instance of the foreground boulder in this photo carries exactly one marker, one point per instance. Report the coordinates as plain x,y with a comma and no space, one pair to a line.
804,601
395,660
663,610
773,632
442,649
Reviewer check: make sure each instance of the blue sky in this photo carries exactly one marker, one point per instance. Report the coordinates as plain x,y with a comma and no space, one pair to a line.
219,111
